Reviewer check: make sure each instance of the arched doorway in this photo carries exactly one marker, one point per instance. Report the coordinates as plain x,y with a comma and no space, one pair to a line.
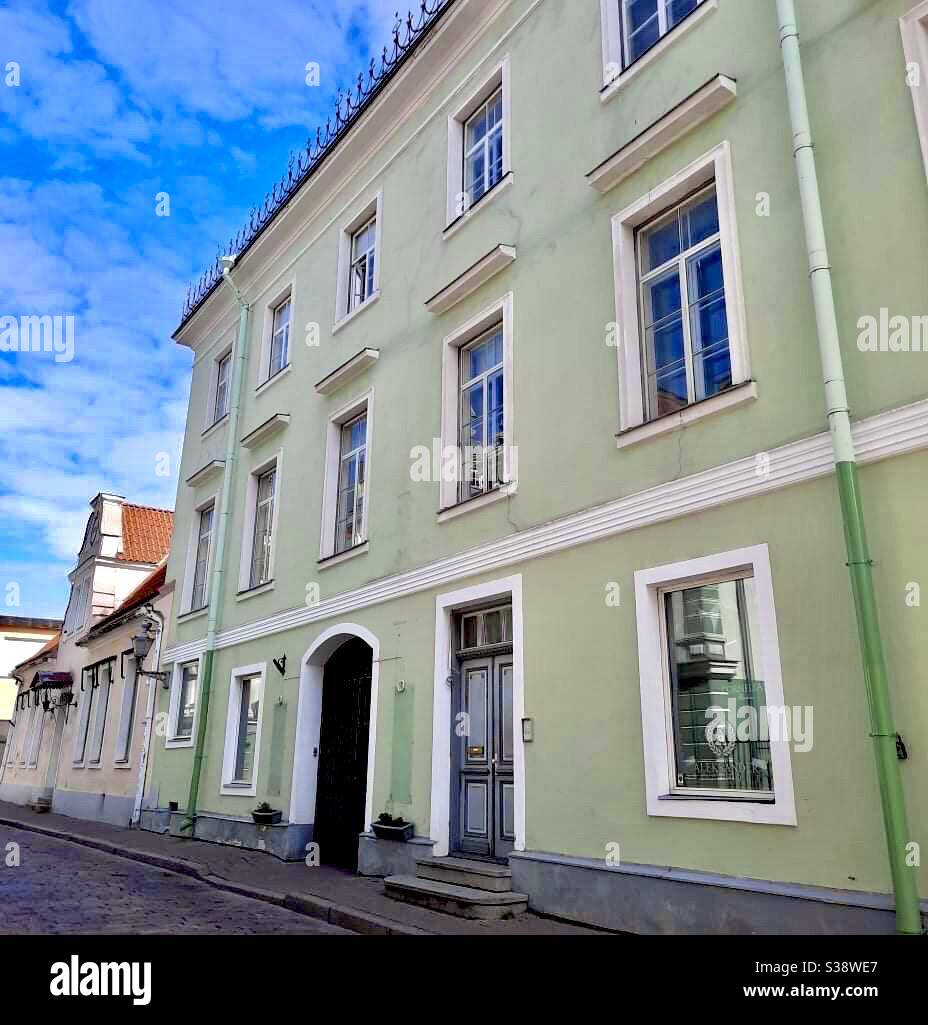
333,765
341,786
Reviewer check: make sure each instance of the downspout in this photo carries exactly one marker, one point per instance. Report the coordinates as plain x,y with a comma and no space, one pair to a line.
882,728
219,569
149,715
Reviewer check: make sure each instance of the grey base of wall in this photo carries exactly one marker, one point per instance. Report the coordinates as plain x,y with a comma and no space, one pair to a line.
117,811
386,858
22,793
650,900
286,841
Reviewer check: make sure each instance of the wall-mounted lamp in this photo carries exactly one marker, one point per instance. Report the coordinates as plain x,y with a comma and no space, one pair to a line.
280,664
141,646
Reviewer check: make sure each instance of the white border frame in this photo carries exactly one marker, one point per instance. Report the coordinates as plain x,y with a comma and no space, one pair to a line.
914,27
500,311
190,558
715,165
374,208
655,700
248,531
498,78
282,295
507,588
309,721
227,788
332,449
170,741
225,349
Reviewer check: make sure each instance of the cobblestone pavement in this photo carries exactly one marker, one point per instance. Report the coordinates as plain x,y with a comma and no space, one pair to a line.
61,888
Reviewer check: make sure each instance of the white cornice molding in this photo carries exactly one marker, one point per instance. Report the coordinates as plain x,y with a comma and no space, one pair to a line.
205,473
879,437
271,427
700,106
362,361
487,267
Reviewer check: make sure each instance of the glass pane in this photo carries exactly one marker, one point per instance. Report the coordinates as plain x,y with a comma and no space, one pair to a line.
720,730
476,706
477,128
476,169
709,320
712,370
662,297
483,356
701,220
493,627
660,243
495,168
639,13
506,718
664,344
667,391
469,631
677,10
705,274
187,700
252,691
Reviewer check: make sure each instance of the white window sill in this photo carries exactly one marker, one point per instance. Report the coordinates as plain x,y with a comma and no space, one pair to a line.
253,592
122,765
264,385
356,312
95,765
173,744
328,561
214,426
740,395
485,200
187,617
762,813
490,498
614,86
238,790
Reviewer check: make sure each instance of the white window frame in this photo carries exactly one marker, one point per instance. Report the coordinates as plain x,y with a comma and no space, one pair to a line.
122,748
76,615
82,734
498,80
10,752
25,754
344,312
332,467
275,462
210,420
264,377
100,714
35,741
656,708
186,607
715,165
229,787
615,72
171,739
500,312
914,26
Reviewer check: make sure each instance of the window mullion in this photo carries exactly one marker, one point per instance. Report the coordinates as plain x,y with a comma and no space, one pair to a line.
687,332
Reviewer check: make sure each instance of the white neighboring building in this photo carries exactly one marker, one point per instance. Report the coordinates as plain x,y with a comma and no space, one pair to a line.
20,639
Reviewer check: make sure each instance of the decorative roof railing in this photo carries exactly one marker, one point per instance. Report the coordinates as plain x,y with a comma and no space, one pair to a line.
350,104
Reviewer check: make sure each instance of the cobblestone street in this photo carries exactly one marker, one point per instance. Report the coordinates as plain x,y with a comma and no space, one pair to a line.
63,888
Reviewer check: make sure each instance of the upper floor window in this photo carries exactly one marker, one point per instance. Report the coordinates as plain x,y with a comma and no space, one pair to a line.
481,440
262,538
645,22
77,610
198,595
223,382
483,148
683,306
363,264
352,479
280,339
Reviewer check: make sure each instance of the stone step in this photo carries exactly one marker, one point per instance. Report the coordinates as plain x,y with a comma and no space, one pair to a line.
463,901
481,875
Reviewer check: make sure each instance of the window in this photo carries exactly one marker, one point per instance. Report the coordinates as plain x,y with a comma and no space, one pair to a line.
198,595
27,736
359,261
35,736
104,676
683,309
915,41
280,339
482,441
479,144
77,610
243,730
712,692
483,149
127,711
223,385
88,680
485,629
183,712
363,264
646,22
352,479
263,532
477,412
681,334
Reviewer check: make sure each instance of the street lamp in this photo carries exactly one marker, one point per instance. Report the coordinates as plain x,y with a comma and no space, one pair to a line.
141,646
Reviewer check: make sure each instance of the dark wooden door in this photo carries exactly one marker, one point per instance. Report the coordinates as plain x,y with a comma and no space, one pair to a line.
342,782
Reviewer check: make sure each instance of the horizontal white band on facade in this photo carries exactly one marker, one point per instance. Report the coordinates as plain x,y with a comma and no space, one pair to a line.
879,437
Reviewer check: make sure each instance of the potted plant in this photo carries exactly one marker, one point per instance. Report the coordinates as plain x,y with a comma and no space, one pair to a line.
389,828
264,815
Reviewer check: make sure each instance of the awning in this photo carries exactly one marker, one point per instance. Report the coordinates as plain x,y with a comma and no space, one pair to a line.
51,681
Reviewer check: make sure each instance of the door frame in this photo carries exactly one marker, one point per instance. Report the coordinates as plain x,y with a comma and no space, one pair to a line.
507,589
309,721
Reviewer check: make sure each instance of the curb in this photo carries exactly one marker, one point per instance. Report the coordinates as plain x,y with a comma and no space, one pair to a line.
310,906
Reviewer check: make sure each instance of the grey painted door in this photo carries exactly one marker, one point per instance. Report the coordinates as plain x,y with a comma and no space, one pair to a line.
484,798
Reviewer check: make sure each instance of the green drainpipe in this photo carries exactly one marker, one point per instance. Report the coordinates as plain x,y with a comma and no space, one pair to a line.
219,552
882,729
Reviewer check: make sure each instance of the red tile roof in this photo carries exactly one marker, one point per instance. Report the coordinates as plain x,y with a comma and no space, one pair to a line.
146,533
49,648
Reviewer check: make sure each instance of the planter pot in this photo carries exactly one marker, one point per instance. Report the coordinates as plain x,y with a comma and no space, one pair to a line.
398,834
267,818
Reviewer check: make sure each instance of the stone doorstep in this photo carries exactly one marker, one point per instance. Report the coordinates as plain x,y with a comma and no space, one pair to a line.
479,875
462,901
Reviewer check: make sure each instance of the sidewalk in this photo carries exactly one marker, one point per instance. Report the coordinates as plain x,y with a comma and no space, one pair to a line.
329,894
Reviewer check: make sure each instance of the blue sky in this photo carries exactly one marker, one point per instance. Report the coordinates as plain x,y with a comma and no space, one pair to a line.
117,102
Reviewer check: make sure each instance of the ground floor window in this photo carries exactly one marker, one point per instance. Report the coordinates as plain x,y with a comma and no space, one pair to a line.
243,730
